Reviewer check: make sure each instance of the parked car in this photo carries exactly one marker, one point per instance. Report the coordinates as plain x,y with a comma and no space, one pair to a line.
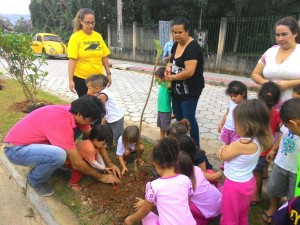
50,45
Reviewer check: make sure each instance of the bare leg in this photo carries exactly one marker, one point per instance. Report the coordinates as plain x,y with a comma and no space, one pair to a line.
162,133
259,183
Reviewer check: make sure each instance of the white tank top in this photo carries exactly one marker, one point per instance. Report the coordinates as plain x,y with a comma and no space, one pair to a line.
113,111
240,168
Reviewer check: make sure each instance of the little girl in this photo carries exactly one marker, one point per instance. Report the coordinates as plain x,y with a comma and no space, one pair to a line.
170,192
93,151
179,127
188,145
237,92
252,125
127,146
270,94
180,130
205,202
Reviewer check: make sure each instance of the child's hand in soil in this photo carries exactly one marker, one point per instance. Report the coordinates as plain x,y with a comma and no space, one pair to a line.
108,170
138,204
124,170
109,179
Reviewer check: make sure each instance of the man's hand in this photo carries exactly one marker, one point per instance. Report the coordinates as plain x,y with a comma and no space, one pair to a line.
109,179
108,170
116,171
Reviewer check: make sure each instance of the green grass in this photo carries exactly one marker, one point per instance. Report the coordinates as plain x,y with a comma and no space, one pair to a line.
10,94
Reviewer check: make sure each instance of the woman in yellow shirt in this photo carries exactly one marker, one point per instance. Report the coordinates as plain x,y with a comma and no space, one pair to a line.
87,52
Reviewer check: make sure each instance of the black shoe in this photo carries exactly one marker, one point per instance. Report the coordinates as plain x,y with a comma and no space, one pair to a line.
43,189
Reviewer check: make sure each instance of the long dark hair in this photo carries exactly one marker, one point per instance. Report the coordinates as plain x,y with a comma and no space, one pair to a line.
185,166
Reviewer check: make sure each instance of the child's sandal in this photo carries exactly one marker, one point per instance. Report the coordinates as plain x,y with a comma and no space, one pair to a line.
75,187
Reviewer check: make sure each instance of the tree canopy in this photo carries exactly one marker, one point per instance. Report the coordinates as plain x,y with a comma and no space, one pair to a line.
56,15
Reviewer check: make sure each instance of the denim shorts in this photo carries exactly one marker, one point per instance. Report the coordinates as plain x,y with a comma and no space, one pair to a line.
261,163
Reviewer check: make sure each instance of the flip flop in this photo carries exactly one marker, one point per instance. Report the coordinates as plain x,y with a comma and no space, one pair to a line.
75,187
267,218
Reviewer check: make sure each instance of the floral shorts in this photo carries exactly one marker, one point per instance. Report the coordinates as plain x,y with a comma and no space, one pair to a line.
228,136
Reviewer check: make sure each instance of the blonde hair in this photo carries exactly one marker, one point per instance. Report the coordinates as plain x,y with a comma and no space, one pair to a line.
252,120
130,135
80,16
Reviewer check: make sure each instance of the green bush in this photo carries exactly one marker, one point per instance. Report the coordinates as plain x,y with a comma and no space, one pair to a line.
21,63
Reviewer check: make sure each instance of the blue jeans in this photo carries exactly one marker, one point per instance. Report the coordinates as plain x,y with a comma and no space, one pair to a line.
187,109
43,159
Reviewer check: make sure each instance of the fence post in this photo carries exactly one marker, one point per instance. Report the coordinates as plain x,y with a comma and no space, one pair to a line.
221,43
108,36
134,44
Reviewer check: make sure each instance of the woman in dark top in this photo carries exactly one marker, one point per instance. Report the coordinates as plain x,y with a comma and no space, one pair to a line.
185,70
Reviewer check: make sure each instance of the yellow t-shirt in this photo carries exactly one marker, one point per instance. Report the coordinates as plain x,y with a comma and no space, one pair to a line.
88,50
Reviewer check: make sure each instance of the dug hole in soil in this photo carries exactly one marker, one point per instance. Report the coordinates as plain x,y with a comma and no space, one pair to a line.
111,204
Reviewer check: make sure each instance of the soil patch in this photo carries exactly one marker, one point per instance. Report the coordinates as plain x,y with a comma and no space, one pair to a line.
111,204
115,201
26,107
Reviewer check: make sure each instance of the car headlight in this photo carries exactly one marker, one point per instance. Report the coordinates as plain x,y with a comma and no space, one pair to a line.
51,50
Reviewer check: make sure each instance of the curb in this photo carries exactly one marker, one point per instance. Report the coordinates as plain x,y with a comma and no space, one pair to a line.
51,209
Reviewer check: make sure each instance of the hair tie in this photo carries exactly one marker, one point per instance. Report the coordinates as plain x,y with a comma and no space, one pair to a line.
269,94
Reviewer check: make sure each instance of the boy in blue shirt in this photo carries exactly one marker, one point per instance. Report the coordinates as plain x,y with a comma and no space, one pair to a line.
163,102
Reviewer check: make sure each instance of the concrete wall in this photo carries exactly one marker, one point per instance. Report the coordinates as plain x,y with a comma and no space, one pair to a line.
237,65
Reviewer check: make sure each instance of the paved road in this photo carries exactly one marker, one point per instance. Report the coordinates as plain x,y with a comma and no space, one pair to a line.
15,208
131,88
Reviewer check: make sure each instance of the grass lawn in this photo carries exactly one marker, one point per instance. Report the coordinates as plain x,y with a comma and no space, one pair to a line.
12,93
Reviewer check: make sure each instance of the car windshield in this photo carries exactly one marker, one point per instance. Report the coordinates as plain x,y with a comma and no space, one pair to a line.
52,38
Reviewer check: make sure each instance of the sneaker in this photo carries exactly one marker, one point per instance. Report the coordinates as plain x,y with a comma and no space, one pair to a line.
43,189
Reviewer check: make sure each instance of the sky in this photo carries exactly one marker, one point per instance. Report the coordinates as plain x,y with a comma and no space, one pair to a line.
14,7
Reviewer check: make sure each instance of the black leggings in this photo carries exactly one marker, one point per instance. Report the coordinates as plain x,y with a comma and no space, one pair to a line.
80,86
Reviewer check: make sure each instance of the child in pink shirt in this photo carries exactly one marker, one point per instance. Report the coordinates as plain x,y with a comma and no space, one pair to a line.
170,192
205,202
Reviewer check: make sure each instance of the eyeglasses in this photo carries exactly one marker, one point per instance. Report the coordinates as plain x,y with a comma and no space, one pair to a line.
89,23
91,121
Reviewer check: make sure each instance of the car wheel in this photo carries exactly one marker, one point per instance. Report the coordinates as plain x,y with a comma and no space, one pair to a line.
45,54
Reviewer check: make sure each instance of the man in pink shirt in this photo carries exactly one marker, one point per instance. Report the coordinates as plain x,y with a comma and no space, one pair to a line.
44,139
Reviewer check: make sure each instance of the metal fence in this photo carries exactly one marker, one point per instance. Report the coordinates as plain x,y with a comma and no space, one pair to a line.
250,36
244,36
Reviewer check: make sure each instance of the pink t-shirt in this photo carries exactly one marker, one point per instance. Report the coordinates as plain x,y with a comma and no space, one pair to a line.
206,197
171,196
52,124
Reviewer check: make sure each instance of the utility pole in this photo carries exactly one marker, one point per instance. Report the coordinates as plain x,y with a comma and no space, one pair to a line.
120,24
